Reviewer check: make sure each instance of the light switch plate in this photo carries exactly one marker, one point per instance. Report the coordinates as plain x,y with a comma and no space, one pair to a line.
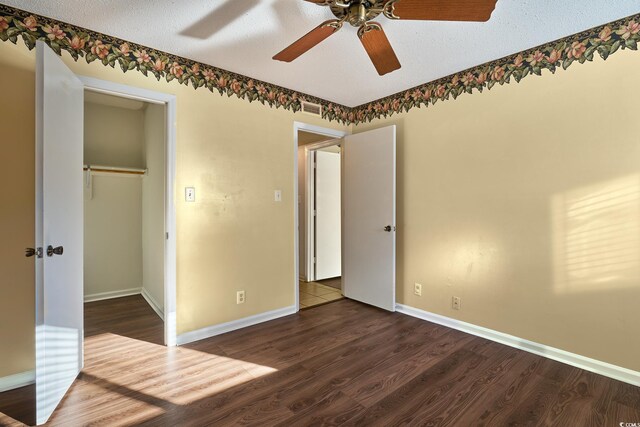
277,195
189,194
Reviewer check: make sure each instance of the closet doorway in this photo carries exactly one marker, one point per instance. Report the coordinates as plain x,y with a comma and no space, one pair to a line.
320,228
124,215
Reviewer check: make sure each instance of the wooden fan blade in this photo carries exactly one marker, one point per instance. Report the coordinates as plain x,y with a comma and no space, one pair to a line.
441,10
377,45
309,40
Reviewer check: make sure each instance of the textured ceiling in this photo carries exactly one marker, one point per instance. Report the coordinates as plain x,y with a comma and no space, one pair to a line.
242,36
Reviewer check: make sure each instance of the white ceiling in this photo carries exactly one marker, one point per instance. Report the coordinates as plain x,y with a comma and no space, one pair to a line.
243,35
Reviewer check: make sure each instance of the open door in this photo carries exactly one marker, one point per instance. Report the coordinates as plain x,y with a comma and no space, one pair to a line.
369,217
328,233
59,230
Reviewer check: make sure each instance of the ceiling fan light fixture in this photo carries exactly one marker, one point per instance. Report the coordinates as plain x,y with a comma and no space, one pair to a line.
360,13
357,12
369,26
389,9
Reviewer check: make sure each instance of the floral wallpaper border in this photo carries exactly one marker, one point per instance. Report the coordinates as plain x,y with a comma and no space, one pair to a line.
79,42
578,48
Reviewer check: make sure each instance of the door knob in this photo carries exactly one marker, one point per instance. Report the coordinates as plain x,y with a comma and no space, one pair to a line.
388,228
51,251
29,252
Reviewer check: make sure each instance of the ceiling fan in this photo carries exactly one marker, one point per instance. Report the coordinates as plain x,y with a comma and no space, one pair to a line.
359,13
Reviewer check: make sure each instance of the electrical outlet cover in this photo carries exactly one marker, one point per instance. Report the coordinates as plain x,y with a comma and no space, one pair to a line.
240,297
417,289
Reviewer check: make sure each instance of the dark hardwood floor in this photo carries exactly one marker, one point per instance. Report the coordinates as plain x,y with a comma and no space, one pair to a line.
343,363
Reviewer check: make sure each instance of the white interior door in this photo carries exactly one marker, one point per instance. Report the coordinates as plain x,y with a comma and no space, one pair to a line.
369,217
59,224
328,236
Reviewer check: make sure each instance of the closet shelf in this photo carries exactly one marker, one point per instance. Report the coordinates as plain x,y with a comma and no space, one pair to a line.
113,170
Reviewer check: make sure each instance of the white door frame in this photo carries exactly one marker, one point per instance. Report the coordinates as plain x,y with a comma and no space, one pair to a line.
169,101
309,180
330,133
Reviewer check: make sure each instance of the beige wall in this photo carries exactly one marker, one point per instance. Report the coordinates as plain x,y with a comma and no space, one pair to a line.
17,216
153,229
113,235
113,136
525,202
234,236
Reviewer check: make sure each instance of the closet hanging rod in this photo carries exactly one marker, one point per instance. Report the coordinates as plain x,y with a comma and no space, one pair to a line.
115,170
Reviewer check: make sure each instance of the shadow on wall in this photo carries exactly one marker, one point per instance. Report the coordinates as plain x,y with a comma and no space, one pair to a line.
596,232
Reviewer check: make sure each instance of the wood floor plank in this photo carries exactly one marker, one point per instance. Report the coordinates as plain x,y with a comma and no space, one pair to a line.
506,395
400,406
628,395
382,379
573,401
607,410
295,349
490,373
503,396
534,403
349,362
343,363
288,326
334,410
236,402
403,337
623,414
443,403
299,397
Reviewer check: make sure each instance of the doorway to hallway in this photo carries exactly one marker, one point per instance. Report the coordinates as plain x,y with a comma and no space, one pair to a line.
320,214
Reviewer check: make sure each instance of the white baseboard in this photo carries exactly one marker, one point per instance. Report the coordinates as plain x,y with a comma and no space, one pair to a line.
153,303
113,294
582,362
17,380
222,328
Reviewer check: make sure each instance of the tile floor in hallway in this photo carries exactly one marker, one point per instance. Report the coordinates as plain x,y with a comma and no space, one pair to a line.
314,293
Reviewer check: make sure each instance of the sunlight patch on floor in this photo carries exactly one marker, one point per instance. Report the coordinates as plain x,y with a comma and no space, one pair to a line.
205,373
